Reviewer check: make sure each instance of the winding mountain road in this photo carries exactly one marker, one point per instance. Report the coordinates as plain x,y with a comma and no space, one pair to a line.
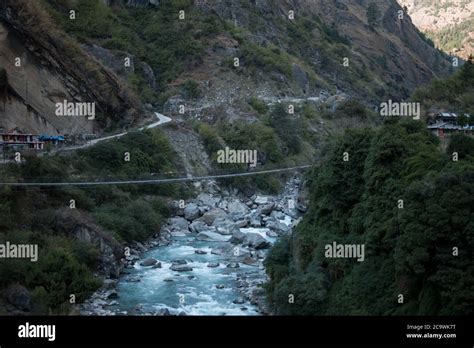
162,119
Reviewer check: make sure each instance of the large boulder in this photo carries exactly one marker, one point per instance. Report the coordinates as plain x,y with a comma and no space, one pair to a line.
191,212
278,227
262,200
212,237
222,221
271,234
178,223
225,226
255,221
238,237
227,230
256,241
237,207
266,209
112,295
223,205
249,261
207,199
242,223
212,215
277,215
181,268
19,297
198,226
148,262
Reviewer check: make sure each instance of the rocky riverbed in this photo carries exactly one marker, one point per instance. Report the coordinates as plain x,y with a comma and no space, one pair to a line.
207,259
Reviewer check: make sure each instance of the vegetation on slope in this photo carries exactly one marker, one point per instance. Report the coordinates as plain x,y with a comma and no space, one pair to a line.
455,92
43,216
157,36
422,250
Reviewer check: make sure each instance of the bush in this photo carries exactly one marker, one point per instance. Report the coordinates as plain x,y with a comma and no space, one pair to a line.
210,137
258,105
135,221
266,59
191,89
281,122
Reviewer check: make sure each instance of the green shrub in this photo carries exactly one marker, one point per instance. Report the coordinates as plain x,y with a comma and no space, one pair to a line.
210,137
191,89
258,105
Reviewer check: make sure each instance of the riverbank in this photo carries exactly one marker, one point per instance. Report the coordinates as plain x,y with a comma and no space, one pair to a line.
207,259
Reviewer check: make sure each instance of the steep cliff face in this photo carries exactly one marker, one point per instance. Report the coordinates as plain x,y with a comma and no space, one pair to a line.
43,66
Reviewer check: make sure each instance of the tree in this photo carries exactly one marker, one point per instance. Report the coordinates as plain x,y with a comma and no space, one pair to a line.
463,120
373,15
467,72
287,128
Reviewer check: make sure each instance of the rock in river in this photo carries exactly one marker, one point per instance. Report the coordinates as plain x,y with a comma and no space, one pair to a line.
238,237
178,223
191,212
212,215
198,226
239,300
237,207
212,237
181,268
256,241
148,262
233,265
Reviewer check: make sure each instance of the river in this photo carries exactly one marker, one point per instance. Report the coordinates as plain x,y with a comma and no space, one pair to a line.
200,271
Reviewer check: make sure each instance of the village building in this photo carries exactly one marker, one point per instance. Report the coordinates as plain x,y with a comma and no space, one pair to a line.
16,139
447,123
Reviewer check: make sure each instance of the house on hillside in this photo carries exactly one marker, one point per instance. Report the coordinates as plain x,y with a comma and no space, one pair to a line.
16,139
448,117
449,122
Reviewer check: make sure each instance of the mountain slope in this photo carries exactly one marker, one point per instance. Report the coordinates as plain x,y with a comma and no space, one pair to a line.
54,68
278,57
449,23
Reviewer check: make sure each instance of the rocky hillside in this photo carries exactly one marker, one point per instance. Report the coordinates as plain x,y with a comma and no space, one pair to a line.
229,62
449,23
285,49
42,66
